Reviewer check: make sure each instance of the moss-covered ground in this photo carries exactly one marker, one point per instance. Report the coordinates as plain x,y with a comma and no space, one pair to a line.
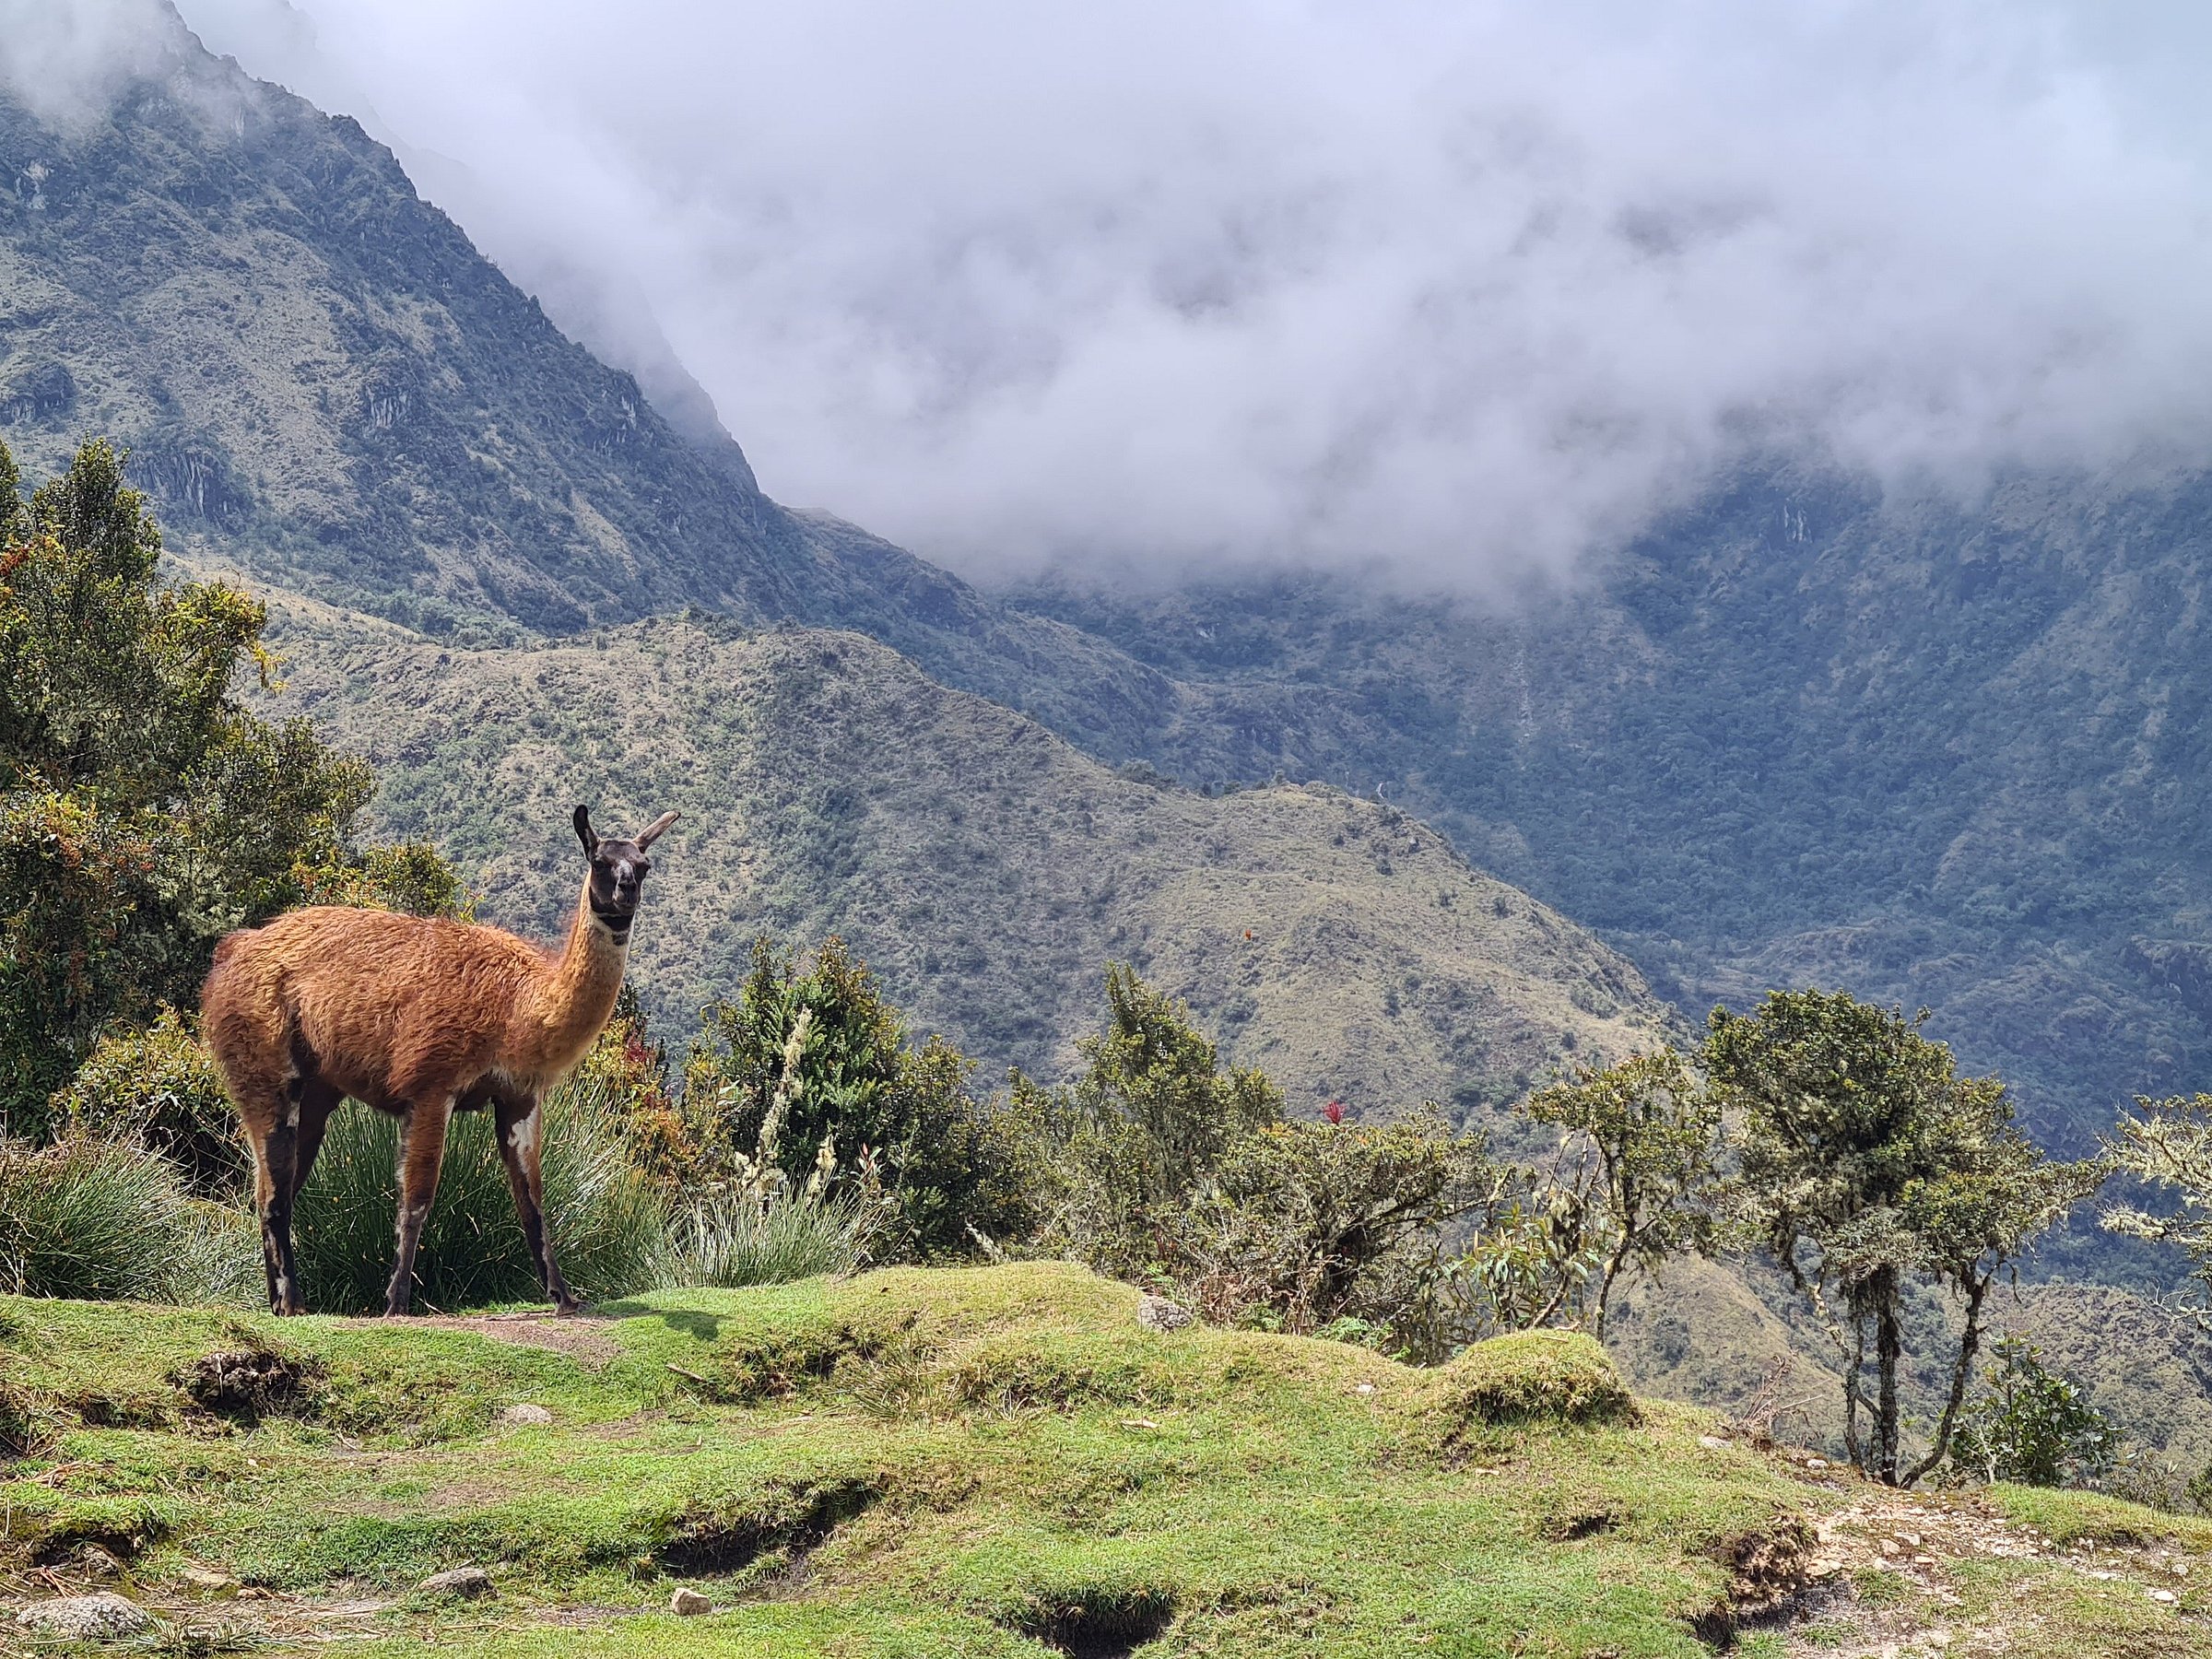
993,1462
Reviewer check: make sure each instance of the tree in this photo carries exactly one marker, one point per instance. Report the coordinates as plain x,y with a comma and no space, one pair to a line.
1148,1122
1868,1163
1654,1135
143,810
2168,1142
949,1162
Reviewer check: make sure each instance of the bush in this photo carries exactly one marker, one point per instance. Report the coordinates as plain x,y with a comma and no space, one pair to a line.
2031,1425
1331,1227
949,1163
160,1088
1137,1136
1562,1376
93,1218
608,1227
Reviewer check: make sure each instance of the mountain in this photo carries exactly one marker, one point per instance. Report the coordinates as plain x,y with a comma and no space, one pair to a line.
1930,752
982,865
325,384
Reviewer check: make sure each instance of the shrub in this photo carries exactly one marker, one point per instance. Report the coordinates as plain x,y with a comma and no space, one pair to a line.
608,1227
160,1088
92,1218
1332,1227
2033,1425
949,1164
1142,1129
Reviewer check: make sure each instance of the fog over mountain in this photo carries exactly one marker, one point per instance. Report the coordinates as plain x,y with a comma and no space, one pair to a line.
1456,291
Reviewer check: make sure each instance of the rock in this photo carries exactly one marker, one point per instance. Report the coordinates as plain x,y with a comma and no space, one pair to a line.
1158,1313
100,1618
1364,1388
203,1582
2167,1596
1713,1443
95,1563
1939,1640
467,1582
533,1416
1889,1546
689,1602
1815,1463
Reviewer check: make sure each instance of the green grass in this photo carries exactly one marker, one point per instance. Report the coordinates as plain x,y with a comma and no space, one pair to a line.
986,1462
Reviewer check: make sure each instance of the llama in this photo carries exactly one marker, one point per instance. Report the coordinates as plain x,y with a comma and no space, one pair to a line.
420,1017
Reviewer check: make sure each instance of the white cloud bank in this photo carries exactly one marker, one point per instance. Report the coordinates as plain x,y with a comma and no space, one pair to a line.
1456,288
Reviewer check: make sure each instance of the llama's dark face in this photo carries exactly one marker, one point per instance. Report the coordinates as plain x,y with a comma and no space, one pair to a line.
619,871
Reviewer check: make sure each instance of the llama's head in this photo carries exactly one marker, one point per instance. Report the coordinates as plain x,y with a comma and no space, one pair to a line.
619,871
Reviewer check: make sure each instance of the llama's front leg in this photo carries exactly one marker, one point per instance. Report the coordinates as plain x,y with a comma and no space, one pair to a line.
276,1159
521,1134
421,1151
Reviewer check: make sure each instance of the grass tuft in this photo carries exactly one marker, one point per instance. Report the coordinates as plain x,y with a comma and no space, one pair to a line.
93,1219
728,1242
1550,1376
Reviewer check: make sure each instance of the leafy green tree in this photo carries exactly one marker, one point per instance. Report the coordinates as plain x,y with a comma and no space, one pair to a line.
1649,1135
2033,1425
1146,1124
1867,1164
2169,1144
143,810
949,1163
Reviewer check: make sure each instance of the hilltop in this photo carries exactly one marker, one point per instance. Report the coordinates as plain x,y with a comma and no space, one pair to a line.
1002,1461
983,867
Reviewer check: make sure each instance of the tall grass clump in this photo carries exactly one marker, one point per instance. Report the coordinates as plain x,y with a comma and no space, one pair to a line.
754,1228
609,1228
93,1218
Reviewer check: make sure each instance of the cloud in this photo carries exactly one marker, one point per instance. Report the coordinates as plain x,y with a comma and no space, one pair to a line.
1452,290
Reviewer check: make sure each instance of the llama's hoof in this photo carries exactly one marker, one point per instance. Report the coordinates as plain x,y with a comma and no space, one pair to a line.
566,1307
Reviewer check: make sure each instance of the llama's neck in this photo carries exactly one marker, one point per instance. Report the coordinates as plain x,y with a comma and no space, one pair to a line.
577,994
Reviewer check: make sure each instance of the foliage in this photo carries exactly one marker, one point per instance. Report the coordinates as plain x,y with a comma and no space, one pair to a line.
92,1218
861,1092
1330,1228
143,811
609,1228
1145,1127
2033,1425
1867,1163
1644,1139
2168,1142
719,1239
160,1087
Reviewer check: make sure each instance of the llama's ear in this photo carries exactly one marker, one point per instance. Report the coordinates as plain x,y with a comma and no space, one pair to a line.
654,830
583,831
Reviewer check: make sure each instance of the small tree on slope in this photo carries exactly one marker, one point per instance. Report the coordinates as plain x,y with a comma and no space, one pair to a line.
1868,1163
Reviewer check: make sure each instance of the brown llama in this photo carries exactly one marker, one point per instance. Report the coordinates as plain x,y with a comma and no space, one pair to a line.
420,1017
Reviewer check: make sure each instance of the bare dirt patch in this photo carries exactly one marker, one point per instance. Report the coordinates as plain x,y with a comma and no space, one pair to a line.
577,1335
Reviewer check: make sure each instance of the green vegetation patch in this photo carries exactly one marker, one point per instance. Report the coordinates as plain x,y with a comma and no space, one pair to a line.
1532,1376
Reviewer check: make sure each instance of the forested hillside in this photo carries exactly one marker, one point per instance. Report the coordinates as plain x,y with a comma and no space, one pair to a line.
1934,754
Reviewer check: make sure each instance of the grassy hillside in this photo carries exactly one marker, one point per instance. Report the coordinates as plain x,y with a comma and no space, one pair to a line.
983,867
996,1462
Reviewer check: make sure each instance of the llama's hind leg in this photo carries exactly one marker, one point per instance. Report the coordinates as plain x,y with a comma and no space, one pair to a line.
421,1151
521,1126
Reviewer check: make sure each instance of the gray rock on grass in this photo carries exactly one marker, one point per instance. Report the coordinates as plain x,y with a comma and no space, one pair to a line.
690,1602
1158,1313
102,1617
465,1583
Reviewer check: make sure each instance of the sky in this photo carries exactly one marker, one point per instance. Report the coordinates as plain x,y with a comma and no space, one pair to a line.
1448,291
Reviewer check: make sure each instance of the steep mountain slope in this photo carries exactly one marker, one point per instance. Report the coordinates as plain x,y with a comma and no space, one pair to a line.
1935,754
985,868
319,376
